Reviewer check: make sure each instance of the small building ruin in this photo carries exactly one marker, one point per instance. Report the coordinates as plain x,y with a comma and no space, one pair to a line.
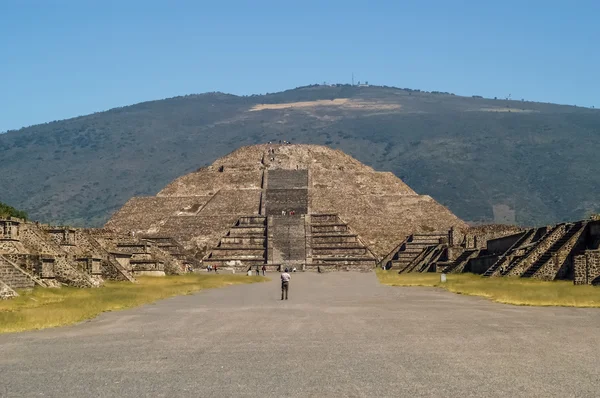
566,251
33,254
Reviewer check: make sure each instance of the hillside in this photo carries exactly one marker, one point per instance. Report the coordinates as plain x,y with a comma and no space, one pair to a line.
484,159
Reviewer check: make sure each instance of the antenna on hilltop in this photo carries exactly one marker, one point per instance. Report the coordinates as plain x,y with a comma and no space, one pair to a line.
353,78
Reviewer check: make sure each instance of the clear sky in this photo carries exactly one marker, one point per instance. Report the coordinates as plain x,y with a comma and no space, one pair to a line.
65,58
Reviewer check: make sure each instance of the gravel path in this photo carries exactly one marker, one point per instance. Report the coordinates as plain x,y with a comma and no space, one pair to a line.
340,334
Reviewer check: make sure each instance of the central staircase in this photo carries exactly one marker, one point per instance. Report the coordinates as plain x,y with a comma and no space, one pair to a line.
287,240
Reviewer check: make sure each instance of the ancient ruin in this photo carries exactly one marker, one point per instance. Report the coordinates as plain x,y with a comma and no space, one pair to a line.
564,251
33,254
303,206
307,207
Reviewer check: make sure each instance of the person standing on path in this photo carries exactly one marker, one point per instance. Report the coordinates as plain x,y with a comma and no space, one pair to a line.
264,269
285,284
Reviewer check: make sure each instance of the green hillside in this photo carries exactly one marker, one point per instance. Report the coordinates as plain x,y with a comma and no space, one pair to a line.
485,159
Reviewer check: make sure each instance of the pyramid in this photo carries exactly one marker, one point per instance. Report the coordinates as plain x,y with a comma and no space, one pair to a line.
299,204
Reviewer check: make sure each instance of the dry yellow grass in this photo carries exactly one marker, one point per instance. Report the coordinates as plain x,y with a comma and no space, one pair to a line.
340,102
43,308
516,291
517,110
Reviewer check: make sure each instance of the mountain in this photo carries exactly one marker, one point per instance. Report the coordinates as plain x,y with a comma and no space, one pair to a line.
485,159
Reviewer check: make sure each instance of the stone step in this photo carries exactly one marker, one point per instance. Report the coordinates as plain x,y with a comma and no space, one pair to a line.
425,241
338,251
411,254
14,277
419,245
330,234
237,252
335,240
239,229
246,234
252,220
241,240
319,229
260,259
338,245
224,246
233,262
323,258
323,218
402,261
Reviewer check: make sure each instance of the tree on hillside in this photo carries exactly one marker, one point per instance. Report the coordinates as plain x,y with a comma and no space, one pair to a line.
9,211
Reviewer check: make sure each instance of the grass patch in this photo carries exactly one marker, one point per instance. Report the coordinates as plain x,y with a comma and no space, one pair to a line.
517,291
43,308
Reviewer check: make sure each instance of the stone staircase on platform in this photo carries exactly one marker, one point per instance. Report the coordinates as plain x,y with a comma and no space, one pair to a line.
173,248
111,268
334,246
458,265
6,292
426,260
287,191
414,246
505,259
550,264
287,240
531,253
386,261
13,276
244,246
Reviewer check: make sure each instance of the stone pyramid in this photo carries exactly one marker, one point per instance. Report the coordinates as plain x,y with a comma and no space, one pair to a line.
273,204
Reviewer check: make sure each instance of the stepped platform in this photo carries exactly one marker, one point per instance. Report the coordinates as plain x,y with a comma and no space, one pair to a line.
334,246
534,251
208,208
553,263
242,247
13,276
403,257
458,265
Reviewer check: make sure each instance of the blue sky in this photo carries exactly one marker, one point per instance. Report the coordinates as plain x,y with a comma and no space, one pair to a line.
60,58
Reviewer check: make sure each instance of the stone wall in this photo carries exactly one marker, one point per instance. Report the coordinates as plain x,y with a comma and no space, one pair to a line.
477,237
587,268
231,201
538,251
69,275
501,245
561,262
149,213
481,264
199,232
208,181
13,276
6,292
9,228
